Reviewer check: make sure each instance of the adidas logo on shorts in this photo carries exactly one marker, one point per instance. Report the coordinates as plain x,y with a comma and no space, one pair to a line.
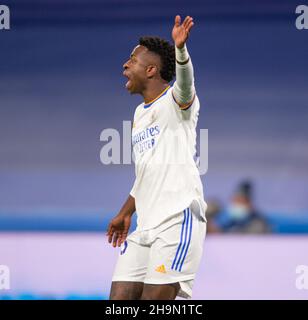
161,269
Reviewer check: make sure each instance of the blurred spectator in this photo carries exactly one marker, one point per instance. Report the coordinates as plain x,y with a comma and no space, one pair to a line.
241,215
213,209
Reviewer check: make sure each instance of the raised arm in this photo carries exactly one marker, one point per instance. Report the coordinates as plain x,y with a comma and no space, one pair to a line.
183,89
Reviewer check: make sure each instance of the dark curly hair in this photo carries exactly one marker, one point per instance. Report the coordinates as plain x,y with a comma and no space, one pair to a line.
166,52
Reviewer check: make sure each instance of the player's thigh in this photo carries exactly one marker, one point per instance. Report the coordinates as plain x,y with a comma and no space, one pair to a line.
167,291
126,290
130,270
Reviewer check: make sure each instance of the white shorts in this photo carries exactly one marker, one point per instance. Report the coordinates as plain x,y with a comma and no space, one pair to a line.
169,253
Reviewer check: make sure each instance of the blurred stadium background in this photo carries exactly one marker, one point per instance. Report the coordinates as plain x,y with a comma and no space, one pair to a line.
61,84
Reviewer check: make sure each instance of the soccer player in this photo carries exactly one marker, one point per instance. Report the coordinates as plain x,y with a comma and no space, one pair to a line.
160,258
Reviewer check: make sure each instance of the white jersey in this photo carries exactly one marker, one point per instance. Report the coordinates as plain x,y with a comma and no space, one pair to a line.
164,145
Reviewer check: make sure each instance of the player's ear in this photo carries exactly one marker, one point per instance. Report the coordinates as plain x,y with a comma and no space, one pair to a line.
151,70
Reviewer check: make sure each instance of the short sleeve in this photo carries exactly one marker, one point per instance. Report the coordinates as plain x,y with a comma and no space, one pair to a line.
133,190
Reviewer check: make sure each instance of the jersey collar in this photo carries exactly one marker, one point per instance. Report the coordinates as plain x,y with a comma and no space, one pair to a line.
159,96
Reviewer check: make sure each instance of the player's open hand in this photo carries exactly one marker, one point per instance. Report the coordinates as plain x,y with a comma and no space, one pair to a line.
118,229
180,32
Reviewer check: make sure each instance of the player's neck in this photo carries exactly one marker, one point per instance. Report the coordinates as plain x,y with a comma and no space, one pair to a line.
152,92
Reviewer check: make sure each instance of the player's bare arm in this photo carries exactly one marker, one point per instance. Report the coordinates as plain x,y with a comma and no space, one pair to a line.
119,226
184,91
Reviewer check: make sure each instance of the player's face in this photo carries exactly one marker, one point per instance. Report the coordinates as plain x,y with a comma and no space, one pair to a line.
135,70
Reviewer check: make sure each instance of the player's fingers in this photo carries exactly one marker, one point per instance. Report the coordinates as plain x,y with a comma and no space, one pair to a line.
115,239
177,20
110,234
186,22
108,229
191,24
189,21
119,241
123,237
